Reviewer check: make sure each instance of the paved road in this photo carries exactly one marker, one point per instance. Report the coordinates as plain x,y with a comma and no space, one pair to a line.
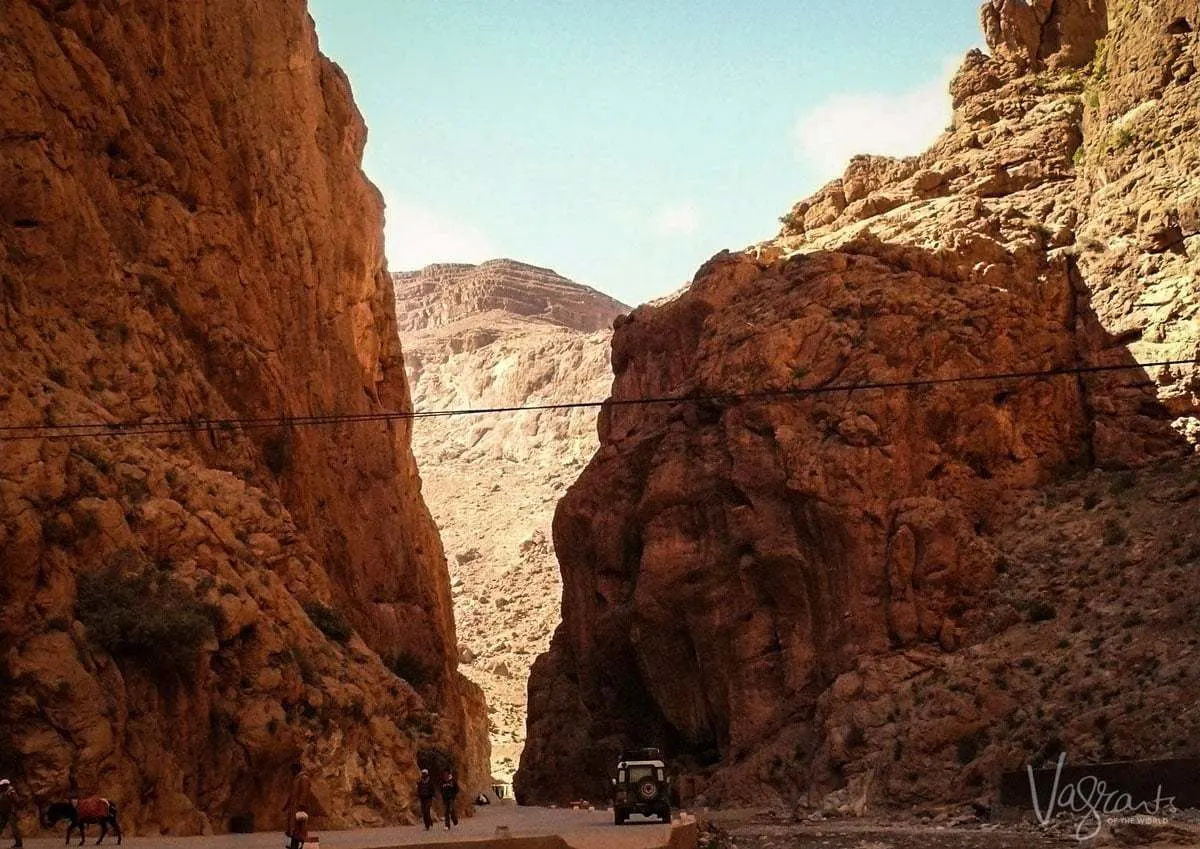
581,829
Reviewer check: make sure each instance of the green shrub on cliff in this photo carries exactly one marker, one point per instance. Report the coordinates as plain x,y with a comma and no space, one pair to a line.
144,617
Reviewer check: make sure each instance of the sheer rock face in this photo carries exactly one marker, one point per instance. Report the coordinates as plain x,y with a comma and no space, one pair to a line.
1038,34
771,589
185,233
492,481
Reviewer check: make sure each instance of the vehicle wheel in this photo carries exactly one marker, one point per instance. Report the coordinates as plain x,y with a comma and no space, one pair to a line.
647,790
619,816
665,813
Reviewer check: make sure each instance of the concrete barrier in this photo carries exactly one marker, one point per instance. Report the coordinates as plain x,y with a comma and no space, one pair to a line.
549,842
684,835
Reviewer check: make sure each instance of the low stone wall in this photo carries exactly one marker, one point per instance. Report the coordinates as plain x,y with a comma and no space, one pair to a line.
1143,782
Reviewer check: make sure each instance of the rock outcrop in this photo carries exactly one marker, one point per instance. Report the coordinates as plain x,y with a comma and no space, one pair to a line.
441,294
798,596
185,234
1038,34
503,334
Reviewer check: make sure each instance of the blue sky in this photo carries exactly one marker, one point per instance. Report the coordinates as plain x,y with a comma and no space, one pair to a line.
623,142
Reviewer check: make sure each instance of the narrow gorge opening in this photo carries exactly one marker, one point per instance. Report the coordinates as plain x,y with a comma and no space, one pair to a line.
502,334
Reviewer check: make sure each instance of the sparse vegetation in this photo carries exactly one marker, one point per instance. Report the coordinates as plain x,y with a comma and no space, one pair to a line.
277,452
95,458
967,748
1114,532
134,491
1041,611
1060,82
1122,482
411,668
329,621
145,617
1098,70
58,532
1121,139
791,223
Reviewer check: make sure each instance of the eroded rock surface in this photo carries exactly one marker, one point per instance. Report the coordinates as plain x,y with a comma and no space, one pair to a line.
503,334
757,585
441,294
185,233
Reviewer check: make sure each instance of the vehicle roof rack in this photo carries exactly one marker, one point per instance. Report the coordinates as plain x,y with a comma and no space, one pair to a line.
644,754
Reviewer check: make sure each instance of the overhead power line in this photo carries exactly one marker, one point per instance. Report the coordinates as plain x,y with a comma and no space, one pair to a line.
157,427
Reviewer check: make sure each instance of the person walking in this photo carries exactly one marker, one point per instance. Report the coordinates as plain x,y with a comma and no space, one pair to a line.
426,790
8,811
449,793
296,807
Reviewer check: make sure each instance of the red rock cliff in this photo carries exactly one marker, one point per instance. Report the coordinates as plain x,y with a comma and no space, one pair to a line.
789,595
185,233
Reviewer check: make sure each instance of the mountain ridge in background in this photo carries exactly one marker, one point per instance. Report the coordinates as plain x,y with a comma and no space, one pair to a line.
502,334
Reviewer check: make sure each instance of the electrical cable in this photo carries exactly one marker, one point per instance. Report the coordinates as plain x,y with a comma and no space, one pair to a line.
157,427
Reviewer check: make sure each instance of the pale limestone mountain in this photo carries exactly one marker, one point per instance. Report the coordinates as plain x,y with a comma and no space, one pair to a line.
502,334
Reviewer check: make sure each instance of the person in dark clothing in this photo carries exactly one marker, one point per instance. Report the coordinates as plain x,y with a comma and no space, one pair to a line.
426,790
449,793
8,810
297,807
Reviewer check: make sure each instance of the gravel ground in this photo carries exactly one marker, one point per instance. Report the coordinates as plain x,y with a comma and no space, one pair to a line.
582,829
761,830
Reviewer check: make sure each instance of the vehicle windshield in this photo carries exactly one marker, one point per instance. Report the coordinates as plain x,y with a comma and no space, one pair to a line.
637,773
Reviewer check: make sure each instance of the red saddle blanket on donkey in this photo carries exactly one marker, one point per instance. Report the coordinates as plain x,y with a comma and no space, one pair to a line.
93,808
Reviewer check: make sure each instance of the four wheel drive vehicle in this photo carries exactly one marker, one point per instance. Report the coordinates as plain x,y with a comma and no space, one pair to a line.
641,786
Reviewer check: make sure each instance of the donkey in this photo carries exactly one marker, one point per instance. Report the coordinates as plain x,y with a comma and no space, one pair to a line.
80,814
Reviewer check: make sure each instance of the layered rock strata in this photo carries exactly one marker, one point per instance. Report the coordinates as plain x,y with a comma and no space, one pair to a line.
796,595
503,334
185,234
441,294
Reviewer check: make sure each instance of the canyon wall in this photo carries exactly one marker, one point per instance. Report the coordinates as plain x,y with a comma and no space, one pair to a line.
503,334
821,597
185,233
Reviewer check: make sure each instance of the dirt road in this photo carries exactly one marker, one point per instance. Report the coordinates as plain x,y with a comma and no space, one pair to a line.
580,830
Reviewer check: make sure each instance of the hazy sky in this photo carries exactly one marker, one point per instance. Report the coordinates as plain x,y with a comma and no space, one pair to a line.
623,142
